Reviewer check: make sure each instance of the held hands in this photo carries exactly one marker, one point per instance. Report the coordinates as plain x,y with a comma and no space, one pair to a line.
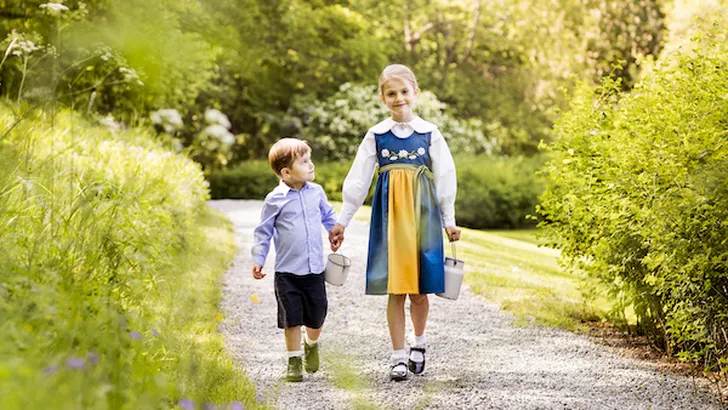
258,272
453,233
336,237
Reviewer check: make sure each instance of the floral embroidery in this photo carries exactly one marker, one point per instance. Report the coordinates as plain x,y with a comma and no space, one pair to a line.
403,154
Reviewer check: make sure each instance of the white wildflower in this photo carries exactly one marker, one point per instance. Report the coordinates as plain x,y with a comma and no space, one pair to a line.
54,8
168,118
221,133
214,116
385,152
109,123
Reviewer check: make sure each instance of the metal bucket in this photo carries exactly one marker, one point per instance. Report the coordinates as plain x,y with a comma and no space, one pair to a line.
454,269
337,268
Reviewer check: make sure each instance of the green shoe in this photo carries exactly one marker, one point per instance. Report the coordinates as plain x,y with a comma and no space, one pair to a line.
294,373
311,357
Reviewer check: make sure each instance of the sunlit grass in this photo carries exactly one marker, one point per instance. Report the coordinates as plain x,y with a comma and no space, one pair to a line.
110,266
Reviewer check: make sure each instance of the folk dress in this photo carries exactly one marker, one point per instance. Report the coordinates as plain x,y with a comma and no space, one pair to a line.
406,229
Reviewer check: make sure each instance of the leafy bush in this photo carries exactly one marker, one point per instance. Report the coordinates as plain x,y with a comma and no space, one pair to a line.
637,195
497,192
255,179
96,237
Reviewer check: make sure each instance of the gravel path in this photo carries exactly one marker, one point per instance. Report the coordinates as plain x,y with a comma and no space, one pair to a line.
477,357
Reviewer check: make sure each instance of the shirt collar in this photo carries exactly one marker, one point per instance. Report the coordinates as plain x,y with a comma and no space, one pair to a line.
417,124
283,189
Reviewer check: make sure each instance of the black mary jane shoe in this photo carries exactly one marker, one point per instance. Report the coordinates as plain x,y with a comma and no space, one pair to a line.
417,367
398,372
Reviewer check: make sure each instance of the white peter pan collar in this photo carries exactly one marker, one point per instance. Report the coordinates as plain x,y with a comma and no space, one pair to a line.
417,124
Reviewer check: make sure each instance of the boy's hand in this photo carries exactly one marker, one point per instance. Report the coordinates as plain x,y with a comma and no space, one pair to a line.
453,233
258,272
336,237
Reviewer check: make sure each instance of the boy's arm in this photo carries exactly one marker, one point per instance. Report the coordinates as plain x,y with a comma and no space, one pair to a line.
328,215
262,236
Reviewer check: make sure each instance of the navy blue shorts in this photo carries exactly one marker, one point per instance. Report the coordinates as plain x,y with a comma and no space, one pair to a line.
301,300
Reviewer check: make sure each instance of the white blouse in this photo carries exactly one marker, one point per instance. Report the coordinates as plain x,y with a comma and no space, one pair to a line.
356,184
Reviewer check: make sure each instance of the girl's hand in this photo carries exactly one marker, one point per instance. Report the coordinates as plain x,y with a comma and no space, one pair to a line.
258,272
453,233
336,236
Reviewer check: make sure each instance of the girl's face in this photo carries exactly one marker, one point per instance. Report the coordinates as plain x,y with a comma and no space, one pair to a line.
399,96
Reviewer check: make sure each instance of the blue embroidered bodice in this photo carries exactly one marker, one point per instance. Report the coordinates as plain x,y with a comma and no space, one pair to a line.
413,150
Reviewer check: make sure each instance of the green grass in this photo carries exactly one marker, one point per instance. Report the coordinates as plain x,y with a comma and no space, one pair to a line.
345,374
526,279
110,266
193,309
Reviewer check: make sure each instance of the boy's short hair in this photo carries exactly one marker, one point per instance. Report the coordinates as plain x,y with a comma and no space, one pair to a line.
284,152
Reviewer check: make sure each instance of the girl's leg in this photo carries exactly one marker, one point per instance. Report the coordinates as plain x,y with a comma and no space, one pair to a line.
419,309
396,320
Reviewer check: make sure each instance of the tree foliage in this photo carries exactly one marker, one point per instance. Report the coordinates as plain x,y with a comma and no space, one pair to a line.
500,67
637,194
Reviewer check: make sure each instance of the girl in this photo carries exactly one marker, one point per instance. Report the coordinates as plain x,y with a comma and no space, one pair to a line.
414,198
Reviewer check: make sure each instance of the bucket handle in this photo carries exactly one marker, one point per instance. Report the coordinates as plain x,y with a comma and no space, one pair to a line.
454,253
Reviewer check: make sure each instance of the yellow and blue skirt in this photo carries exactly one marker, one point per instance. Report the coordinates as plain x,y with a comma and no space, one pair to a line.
405,236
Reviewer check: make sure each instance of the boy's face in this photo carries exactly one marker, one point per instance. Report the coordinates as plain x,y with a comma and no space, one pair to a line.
399,97
300,172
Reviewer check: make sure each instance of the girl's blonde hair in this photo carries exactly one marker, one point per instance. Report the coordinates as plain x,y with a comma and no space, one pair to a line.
397,71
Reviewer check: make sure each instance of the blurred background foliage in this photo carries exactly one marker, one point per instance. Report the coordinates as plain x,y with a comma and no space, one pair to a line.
495,74
497,70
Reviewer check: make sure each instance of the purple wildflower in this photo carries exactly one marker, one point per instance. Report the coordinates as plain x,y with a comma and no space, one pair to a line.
209,406
236,405
187,404
155,333
259,397
93,358
135,335
75,363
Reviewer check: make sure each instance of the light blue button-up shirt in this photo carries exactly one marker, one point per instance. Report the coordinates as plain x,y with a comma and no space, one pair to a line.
294,219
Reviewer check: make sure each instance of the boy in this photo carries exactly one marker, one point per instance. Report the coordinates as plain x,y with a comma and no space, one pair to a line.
292,215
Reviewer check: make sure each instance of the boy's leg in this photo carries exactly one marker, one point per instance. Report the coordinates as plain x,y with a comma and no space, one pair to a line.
315,307
311,349
396,323
290,318
293,338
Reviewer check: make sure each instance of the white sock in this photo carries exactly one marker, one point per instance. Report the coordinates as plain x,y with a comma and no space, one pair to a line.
310,341
295,353
420,341
399,356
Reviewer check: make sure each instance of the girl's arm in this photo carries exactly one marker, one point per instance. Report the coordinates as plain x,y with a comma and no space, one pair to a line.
356,184
446,183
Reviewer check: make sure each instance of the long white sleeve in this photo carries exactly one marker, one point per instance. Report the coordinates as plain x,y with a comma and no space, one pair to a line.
357,182
443,170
